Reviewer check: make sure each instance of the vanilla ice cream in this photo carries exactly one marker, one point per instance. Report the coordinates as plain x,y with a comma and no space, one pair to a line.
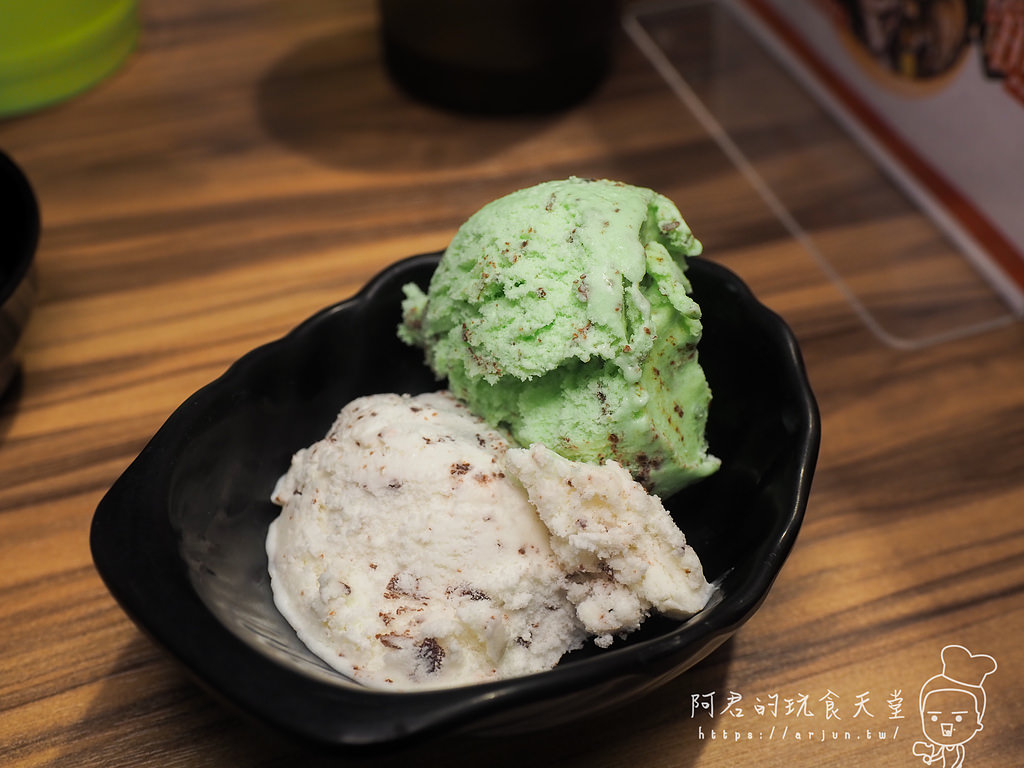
404,555
416,548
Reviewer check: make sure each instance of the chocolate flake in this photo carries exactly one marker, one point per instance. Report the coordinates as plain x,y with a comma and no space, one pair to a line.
431,652
387,640
643,466
402,585
467,591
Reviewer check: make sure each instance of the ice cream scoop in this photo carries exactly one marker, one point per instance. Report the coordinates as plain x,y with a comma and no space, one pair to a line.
562,313
405,557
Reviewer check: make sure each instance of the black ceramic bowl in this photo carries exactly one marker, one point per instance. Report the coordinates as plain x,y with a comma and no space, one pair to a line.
179,538
19,234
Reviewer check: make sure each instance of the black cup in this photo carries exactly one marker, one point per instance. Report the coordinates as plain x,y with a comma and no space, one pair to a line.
498,57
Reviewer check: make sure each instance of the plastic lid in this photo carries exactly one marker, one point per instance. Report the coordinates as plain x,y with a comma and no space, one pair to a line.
51,50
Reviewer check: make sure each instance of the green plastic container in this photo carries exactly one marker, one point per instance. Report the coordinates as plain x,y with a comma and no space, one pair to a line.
51,50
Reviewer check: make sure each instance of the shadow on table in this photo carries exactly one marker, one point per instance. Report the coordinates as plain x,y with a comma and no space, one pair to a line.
175,721
365,122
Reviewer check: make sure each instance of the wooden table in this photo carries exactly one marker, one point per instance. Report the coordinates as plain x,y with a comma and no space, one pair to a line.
251,164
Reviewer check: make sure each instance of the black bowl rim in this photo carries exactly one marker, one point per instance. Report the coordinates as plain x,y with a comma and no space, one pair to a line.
357,719
25,217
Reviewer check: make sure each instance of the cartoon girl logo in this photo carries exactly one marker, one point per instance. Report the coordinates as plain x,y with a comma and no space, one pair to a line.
952,706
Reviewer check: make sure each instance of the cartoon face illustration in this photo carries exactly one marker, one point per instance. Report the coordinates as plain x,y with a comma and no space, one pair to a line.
953,705
950,716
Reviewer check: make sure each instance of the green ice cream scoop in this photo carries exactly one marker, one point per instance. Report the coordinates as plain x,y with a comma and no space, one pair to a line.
562,313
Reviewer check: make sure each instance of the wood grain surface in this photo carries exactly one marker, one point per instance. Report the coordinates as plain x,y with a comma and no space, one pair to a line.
250,164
